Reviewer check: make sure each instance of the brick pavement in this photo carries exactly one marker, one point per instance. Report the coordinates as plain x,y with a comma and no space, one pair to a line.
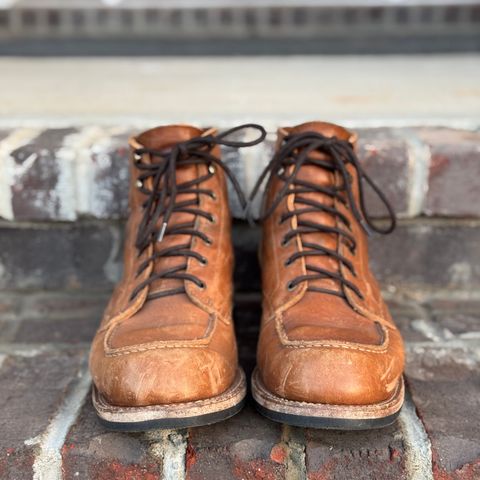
60,253
49,427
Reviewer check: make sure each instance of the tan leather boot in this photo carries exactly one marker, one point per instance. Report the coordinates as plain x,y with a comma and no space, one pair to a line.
329,354
165,353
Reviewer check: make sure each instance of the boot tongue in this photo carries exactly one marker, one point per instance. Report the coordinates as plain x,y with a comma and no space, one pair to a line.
324,128
162,138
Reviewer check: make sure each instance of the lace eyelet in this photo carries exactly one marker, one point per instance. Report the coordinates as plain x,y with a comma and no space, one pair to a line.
212,219
202,285
203,261
284,242
288,262
208,242
213,196
290,286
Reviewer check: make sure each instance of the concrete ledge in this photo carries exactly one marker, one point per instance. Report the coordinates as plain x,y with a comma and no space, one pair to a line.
381,90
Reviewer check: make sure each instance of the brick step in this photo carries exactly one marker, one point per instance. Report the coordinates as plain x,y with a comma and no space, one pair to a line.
49,427
63,199
70,173
419,258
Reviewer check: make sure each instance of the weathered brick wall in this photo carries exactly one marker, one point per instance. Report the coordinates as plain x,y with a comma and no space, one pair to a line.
63,201
63,195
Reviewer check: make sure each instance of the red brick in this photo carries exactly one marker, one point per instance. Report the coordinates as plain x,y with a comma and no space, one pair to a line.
467,472
383,153
457,317
37,193
16,463
445,386
241,447
53,330
454,176
32,390
92,452
113,470
61,256
428,255
367,455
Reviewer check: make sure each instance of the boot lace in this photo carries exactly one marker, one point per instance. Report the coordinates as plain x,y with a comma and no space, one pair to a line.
296,151
162,203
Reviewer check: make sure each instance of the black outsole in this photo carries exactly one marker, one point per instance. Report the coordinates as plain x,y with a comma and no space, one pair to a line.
173,423
327,423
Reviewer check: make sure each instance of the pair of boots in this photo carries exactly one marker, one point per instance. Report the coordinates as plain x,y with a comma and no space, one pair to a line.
329,354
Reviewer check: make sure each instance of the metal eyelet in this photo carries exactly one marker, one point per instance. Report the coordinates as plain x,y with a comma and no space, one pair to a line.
211,169
139,184
137,157
280,171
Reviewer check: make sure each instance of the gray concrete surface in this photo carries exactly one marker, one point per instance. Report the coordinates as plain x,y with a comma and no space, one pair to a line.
365,90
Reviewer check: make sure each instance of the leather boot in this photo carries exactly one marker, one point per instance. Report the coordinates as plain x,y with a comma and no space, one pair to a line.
165,354
329,354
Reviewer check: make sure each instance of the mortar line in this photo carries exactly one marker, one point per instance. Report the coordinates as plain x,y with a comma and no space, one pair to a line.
419,158
170,448
294,440
418,449
48,462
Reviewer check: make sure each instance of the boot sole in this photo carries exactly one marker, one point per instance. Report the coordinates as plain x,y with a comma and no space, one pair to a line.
326,416
173,415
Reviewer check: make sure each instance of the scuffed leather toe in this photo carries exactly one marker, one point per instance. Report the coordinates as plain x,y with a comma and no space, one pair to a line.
351,374
161,375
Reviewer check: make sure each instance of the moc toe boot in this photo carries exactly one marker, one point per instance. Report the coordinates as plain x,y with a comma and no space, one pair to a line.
165,354
329,354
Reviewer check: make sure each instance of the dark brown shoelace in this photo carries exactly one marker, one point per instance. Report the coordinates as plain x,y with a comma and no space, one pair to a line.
161,202
296,150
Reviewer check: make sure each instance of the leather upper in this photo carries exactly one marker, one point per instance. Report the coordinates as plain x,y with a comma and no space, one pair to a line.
318,347
177,348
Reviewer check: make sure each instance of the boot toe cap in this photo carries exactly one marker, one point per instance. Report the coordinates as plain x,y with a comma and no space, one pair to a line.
160,376
335,376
